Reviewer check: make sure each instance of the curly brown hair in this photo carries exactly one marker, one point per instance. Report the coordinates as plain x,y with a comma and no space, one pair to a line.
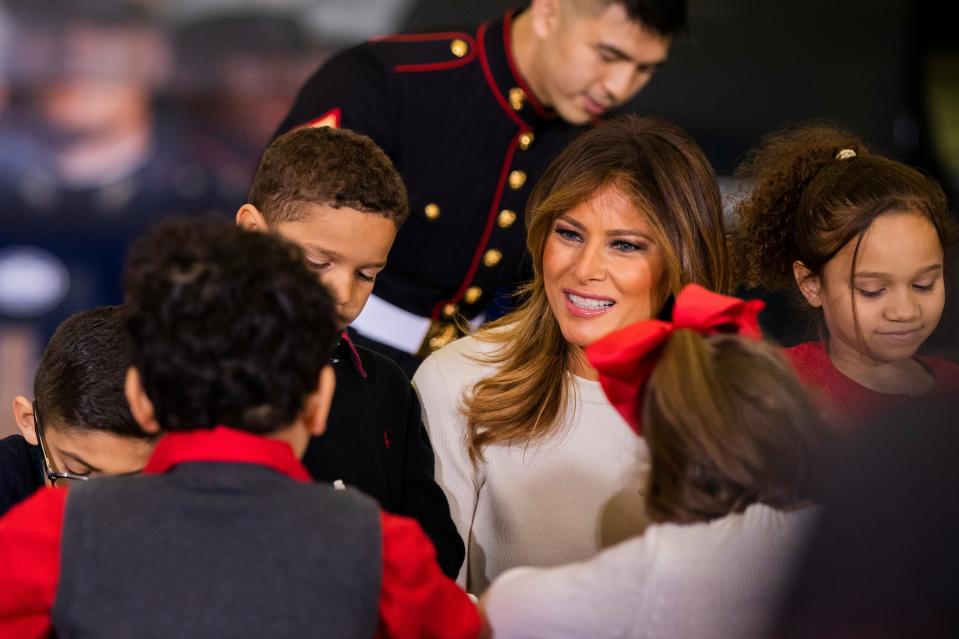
807,203
332,167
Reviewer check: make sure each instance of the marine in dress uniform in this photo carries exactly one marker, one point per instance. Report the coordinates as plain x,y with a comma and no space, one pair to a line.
470,139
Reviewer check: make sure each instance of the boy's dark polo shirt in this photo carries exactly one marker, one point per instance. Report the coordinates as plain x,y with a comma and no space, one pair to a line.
375,441
21,472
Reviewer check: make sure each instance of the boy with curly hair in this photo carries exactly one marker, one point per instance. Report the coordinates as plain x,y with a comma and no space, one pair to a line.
223,534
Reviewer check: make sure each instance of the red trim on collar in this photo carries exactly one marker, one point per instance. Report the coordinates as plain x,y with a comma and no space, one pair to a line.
488,74
223,444
520,80
354,354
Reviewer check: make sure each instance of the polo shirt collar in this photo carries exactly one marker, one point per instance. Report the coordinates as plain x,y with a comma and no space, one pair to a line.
226,445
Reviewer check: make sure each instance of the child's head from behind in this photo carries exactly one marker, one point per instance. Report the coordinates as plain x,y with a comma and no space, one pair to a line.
728,425
227,328
79,405
863,236
338,196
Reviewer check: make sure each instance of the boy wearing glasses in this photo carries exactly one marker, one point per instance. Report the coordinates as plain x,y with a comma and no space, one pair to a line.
223,534
79,424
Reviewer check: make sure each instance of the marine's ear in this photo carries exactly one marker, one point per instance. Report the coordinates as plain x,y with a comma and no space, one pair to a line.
810,285
23,415
545,16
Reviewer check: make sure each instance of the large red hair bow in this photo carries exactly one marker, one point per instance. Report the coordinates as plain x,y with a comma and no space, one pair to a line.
625,359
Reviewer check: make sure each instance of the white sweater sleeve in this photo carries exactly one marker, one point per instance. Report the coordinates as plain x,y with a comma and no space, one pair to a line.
441,395
596,598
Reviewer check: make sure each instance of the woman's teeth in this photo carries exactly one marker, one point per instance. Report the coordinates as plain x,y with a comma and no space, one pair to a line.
585,302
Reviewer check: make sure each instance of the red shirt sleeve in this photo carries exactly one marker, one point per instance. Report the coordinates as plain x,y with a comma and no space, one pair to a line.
30,560
416,598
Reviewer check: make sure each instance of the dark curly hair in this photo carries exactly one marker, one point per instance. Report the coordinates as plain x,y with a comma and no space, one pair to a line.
326,166
226,326
806,203
79,381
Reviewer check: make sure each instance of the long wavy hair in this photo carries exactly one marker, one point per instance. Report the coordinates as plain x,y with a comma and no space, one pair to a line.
667,177
728,425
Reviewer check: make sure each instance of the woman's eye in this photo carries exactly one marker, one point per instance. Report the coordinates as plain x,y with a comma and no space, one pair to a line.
627,247
366,277
924,288
868,293
567,234
319,266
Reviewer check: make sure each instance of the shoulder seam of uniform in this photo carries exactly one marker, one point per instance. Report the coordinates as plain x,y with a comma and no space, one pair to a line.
444,65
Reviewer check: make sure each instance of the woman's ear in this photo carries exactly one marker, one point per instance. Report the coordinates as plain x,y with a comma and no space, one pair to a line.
809,285
140,405
23,415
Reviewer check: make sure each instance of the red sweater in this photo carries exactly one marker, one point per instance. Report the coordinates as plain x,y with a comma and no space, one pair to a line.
849,400
416,599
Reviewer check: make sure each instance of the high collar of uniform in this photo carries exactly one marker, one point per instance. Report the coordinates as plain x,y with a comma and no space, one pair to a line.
502,74
225,445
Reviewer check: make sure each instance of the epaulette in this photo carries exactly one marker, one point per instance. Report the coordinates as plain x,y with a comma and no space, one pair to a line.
424,52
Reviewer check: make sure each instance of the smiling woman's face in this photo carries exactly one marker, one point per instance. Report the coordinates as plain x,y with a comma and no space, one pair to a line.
602,268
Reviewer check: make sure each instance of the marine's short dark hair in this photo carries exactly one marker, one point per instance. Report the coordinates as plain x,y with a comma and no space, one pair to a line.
329,167
665,17
227,327
79,382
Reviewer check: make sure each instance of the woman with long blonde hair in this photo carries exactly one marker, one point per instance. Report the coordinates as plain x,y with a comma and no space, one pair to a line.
538,467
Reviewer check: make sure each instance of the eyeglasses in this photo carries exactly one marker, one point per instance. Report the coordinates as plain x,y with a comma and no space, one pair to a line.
48,468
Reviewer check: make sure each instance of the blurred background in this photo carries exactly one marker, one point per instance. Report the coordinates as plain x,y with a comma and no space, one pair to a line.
116,113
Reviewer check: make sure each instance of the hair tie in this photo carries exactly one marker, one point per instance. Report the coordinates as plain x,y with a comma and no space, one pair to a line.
625,359
845,154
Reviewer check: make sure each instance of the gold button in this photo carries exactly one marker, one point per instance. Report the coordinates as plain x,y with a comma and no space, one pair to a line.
459,48
472,294
450,310
516,180
505,218
525,140
432,211
492,257
516,98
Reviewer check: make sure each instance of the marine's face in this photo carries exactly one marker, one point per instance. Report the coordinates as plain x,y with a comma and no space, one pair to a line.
590,62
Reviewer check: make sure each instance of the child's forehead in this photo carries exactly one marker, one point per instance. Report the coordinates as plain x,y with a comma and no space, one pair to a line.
894,244
340,231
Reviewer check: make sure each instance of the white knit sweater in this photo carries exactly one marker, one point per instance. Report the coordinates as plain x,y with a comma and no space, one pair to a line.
551,502
718,580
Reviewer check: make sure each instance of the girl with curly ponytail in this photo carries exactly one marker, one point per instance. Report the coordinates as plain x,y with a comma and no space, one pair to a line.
863,239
